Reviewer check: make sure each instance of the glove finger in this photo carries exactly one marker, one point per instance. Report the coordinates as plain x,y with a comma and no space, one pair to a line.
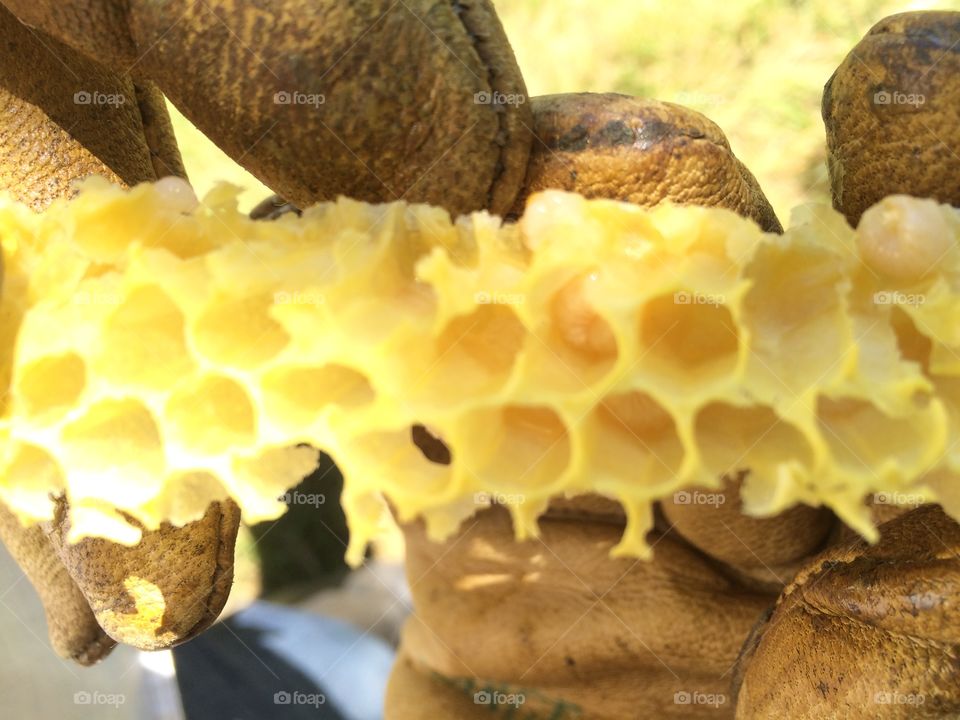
416,100
768,551
638,150
892,116
73,630
162,591
887,610
67,118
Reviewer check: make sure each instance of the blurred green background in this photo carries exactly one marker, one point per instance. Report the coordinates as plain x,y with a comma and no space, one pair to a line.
755,67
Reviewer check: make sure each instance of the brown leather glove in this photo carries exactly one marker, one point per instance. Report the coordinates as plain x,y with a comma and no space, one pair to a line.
554,628
864,631
55,131
449,127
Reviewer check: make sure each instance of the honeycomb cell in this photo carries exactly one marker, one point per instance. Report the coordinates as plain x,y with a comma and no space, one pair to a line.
914,345
865,440
52,383
689,338
116,444
239,332
577,347
143,342
184,498
516,448
297,395
210,416
799,325
31,476
732,439
473,354
639,413
632,437
390,461
258,480
579,324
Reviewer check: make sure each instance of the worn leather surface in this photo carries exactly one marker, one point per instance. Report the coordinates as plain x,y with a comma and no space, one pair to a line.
73,629
638,150
559,621
763,552
864,631
164,590
892,114
556,620
51,137
400,83
65,117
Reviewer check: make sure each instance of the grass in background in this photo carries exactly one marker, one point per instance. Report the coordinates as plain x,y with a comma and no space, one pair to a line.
755,67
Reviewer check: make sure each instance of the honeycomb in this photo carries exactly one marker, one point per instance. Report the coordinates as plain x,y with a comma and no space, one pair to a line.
158,356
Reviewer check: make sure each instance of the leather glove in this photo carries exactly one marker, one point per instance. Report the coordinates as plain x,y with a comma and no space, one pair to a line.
174,583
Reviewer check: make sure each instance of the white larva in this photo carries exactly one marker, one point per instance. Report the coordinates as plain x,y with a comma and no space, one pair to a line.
904,238
177,193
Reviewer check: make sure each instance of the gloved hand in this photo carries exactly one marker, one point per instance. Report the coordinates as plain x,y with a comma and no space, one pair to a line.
70,116
583,142
552,627
174,583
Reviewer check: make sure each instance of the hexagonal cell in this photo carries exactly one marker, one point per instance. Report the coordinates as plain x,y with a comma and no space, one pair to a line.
515,447
239,332
864,439
260,479
732,439
798,323
579,325
631,438
914,345
298,394
578,347
688,341
143,341
639,413
185,497
116,444
211,416
51,383
31,478
390,462
473,354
